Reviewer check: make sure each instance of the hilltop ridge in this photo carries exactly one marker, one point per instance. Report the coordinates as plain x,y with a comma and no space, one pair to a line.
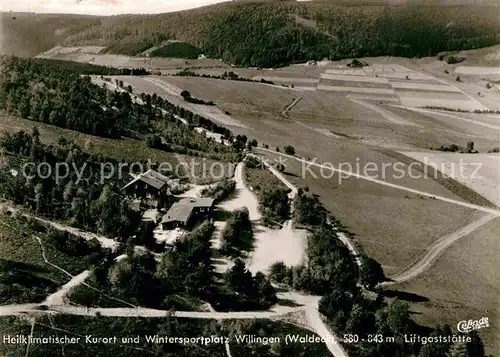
269,34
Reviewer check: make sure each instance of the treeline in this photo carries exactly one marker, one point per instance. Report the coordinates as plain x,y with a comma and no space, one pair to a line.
469,149
476,111
177,50
81,193
89,68
272,34
226,75
190,99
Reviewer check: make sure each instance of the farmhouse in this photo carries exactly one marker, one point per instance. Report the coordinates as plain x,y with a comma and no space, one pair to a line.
187,212
150,184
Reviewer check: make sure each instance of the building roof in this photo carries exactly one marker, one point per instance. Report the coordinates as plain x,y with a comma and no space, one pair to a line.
197,202
178,213
151,178
181,211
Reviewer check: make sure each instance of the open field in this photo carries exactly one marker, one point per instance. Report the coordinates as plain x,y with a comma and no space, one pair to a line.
478,71
394,227
463,284
170,92
423,86
90,54
286,245
250,108
354,83
270,245
383,219
479,172
453,100
241,99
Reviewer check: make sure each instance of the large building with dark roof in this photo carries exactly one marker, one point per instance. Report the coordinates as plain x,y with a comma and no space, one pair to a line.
187,212
150,184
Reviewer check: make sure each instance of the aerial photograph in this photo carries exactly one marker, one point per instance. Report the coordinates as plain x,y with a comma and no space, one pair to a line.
250,178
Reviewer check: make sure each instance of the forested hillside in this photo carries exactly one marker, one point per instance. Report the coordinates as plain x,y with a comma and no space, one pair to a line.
266,34
26,34
276,33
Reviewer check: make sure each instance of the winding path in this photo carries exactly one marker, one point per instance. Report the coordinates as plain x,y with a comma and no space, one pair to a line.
105,242
290,106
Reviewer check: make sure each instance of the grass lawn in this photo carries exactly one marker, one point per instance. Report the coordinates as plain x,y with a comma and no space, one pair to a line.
463,284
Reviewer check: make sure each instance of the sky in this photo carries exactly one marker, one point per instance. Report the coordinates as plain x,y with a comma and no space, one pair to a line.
102,7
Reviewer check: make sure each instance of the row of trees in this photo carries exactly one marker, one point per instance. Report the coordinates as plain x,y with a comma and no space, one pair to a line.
186,95
226,75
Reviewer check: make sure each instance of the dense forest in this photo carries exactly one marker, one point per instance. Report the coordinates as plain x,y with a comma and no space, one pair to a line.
276,33
87,197
48,92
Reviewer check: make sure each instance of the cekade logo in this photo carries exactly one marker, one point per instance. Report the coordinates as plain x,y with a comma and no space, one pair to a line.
469,325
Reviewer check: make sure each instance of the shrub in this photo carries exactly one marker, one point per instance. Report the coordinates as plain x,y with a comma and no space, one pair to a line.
280,273
154,141
220,191
238,234
454,59
289,150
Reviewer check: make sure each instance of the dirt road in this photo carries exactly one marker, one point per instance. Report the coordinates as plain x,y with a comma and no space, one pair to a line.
243,196
388,184
57,298
436,250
